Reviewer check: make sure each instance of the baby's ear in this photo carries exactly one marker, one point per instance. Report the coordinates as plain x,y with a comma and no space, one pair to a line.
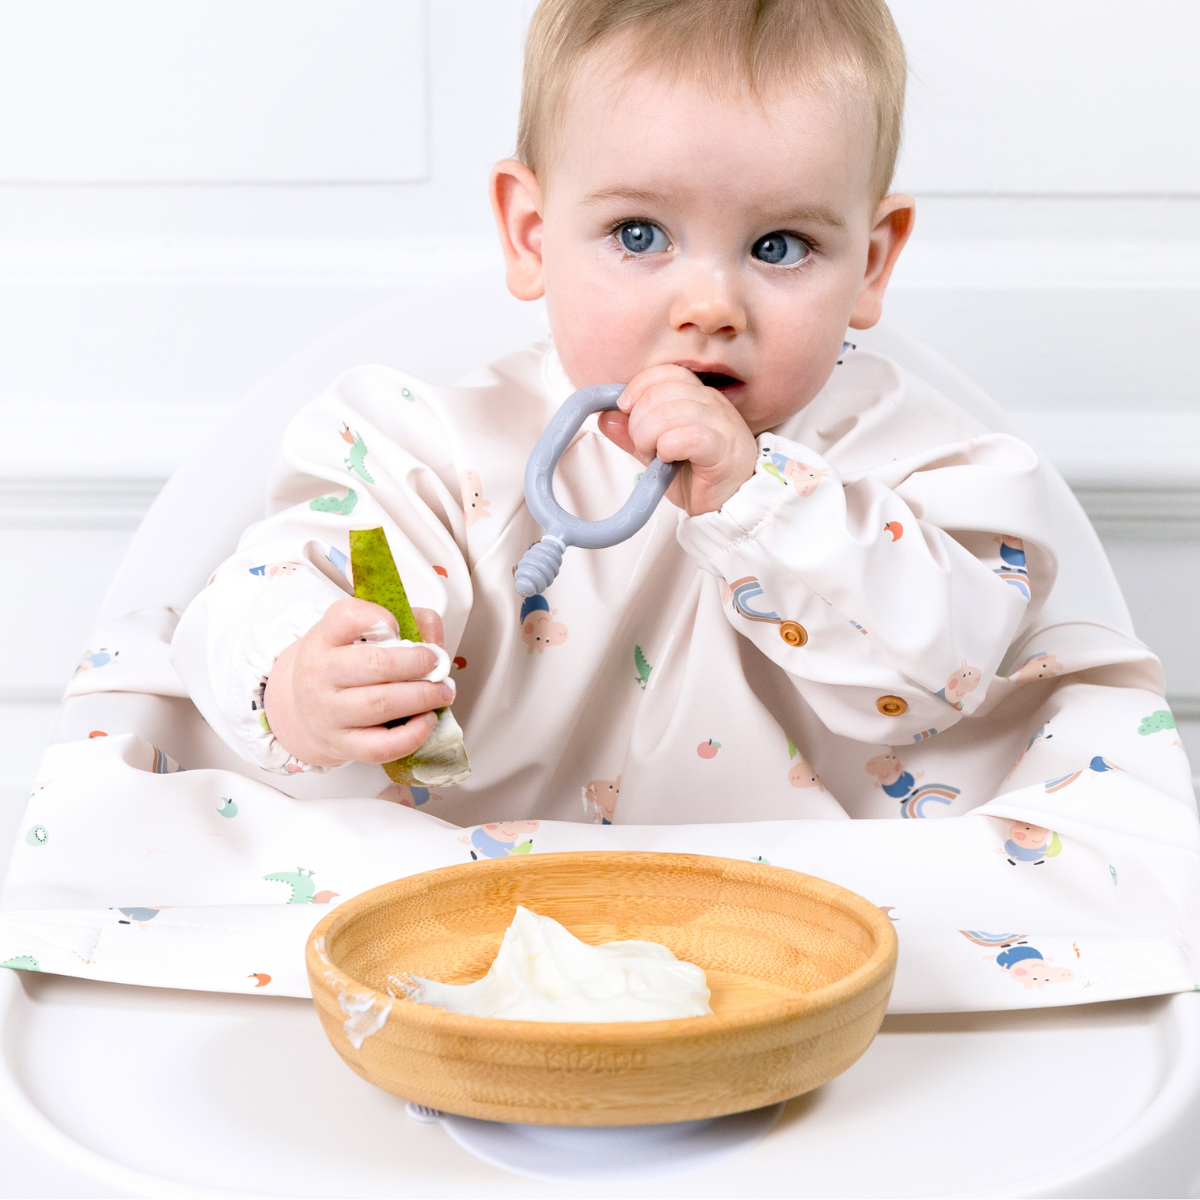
893,224
517,205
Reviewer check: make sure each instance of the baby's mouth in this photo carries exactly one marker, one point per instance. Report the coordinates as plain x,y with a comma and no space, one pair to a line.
717,379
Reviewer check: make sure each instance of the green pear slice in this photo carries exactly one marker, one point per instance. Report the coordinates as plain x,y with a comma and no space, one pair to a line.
441,760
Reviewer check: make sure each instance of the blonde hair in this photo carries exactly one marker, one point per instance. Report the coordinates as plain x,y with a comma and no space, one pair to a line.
850,48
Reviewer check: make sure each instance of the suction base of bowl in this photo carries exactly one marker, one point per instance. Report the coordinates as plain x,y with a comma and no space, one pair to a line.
570,1154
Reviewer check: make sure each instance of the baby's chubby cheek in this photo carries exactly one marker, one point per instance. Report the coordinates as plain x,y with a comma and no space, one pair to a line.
603,332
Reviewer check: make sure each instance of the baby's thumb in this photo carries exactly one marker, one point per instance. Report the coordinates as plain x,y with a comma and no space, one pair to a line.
615,426
429,622
347,621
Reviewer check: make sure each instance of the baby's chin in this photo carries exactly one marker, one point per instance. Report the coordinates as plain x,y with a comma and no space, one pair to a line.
764,416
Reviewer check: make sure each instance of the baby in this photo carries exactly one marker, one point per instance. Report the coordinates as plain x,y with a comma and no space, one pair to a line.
701,195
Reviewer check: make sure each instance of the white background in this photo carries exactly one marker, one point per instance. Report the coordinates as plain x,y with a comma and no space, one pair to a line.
192,190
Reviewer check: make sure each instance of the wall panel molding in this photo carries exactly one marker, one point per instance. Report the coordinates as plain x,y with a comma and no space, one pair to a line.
106,463
70,504
1051,328
117,352
31,695
1145,513
1063,325
1048,326
1080,264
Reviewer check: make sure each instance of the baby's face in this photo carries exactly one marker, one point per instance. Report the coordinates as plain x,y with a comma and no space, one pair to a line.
730,236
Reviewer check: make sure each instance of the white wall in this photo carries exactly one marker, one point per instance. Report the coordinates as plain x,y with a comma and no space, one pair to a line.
190,192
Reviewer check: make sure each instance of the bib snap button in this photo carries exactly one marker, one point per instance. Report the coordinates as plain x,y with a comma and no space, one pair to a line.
793,633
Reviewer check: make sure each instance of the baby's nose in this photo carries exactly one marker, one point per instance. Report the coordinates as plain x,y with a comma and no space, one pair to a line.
709,304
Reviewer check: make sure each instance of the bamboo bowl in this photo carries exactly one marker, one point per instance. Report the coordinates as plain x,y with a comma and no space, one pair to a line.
800,972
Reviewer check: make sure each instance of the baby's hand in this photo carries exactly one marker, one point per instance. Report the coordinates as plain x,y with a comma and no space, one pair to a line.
667,411
330,693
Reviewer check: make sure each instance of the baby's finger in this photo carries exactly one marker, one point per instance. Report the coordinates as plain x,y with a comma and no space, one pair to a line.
688,390
362,707
698,444
648,423
615,427
345,621
429,622
378,745
643,381
365,663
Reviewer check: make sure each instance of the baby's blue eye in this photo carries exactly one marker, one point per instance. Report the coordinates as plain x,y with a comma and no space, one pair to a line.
640,237
779,249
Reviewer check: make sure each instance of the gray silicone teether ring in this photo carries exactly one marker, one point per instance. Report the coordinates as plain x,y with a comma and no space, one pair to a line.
539,566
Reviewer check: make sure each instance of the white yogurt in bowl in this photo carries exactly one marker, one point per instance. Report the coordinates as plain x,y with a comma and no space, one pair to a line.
544,973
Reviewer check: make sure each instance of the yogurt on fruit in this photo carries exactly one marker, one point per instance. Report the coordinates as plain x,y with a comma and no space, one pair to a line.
545,973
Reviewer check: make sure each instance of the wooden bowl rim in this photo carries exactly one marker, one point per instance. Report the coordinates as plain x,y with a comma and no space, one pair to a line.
877,967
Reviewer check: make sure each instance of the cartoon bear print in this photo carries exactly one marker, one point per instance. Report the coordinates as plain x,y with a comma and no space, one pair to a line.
801,775
901,784
501,839
538,627
1030,968
960,685
475,507
891,775
600,800
1029,844
1037,666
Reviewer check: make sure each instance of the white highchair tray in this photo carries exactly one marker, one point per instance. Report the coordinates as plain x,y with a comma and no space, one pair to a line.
109,1090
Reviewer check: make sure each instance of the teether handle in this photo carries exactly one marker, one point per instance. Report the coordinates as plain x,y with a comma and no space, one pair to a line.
536,571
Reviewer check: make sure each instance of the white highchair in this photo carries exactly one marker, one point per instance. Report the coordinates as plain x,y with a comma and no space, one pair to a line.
109,1090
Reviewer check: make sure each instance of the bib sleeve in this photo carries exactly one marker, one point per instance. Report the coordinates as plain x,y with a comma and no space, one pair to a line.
891,597
374,449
